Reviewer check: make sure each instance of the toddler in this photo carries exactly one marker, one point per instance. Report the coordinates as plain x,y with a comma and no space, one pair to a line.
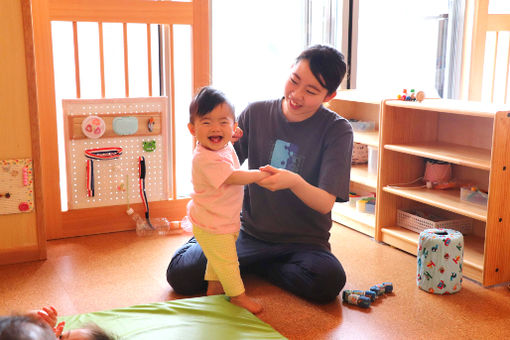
216,201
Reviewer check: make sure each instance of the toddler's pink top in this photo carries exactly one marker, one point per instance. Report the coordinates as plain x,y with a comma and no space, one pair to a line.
215,206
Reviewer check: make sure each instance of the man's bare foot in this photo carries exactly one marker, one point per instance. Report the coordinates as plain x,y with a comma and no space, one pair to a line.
244,301
214,288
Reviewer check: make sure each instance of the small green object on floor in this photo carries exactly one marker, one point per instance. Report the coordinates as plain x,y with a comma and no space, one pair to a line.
208,317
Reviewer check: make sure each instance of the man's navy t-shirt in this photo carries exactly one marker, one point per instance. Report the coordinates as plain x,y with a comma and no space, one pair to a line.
319,149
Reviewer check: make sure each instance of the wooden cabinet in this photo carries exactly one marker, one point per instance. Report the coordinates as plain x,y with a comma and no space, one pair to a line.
352,104
475,139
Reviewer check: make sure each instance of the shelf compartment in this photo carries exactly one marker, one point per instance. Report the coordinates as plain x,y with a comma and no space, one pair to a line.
447,152
407,241
348,216
459,107
370,138
444,199
360,175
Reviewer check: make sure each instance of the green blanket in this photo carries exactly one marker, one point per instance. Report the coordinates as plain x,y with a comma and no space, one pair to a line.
210,317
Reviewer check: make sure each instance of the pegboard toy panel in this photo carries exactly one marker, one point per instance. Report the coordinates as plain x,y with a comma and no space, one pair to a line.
116,181
16,186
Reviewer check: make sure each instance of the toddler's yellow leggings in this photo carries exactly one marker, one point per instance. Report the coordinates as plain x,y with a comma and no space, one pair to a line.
222,263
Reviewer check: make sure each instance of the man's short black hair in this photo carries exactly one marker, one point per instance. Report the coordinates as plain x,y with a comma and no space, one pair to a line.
327,65
205,101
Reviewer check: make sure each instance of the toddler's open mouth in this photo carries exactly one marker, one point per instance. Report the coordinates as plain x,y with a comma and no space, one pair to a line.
215,139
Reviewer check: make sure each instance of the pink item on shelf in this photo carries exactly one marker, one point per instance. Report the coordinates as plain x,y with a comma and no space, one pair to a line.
437,172
359,153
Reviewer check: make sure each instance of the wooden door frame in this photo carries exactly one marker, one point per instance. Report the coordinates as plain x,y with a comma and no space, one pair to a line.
55,223
477,23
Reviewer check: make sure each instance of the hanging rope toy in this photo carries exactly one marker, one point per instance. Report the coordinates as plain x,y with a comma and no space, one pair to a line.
143,195
90,178
103,153
98,154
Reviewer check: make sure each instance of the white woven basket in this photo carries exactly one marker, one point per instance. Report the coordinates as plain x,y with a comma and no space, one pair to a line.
418,224
359,153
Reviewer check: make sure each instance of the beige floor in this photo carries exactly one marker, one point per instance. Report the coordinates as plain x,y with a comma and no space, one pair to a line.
116,270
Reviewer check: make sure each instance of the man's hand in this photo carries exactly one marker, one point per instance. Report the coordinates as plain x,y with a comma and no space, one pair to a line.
279,178
314,197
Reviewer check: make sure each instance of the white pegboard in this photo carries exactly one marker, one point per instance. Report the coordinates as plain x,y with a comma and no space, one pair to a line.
110,175
80,107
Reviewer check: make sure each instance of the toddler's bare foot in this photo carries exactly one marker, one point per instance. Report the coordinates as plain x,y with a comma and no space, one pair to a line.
244,301
214,288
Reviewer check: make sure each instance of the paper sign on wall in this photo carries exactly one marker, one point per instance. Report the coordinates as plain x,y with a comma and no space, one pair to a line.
16,186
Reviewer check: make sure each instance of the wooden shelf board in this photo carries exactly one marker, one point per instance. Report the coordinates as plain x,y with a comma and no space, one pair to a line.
407,240
444,199
370,138
461,107
359,96
401,238
452,153
360,175
344,214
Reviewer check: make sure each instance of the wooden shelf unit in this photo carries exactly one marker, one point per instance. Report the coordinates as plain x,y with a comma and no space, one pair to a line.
353,104
474,138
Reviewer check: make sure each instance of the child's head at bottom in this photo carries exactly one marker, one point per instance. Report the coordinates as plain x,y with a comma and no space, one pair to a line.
87,332
22,327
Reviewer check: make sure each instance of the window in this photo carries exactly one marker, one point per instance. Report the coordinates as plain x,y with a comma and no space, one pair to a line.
486,75
253,49
499,7
402,46
254,43
106,77
168,14
405,44
496,81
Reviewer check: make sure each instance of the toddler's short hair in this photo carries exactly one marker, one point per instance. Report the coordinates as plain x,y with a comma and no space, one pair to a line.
327,65
97,333
205,101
